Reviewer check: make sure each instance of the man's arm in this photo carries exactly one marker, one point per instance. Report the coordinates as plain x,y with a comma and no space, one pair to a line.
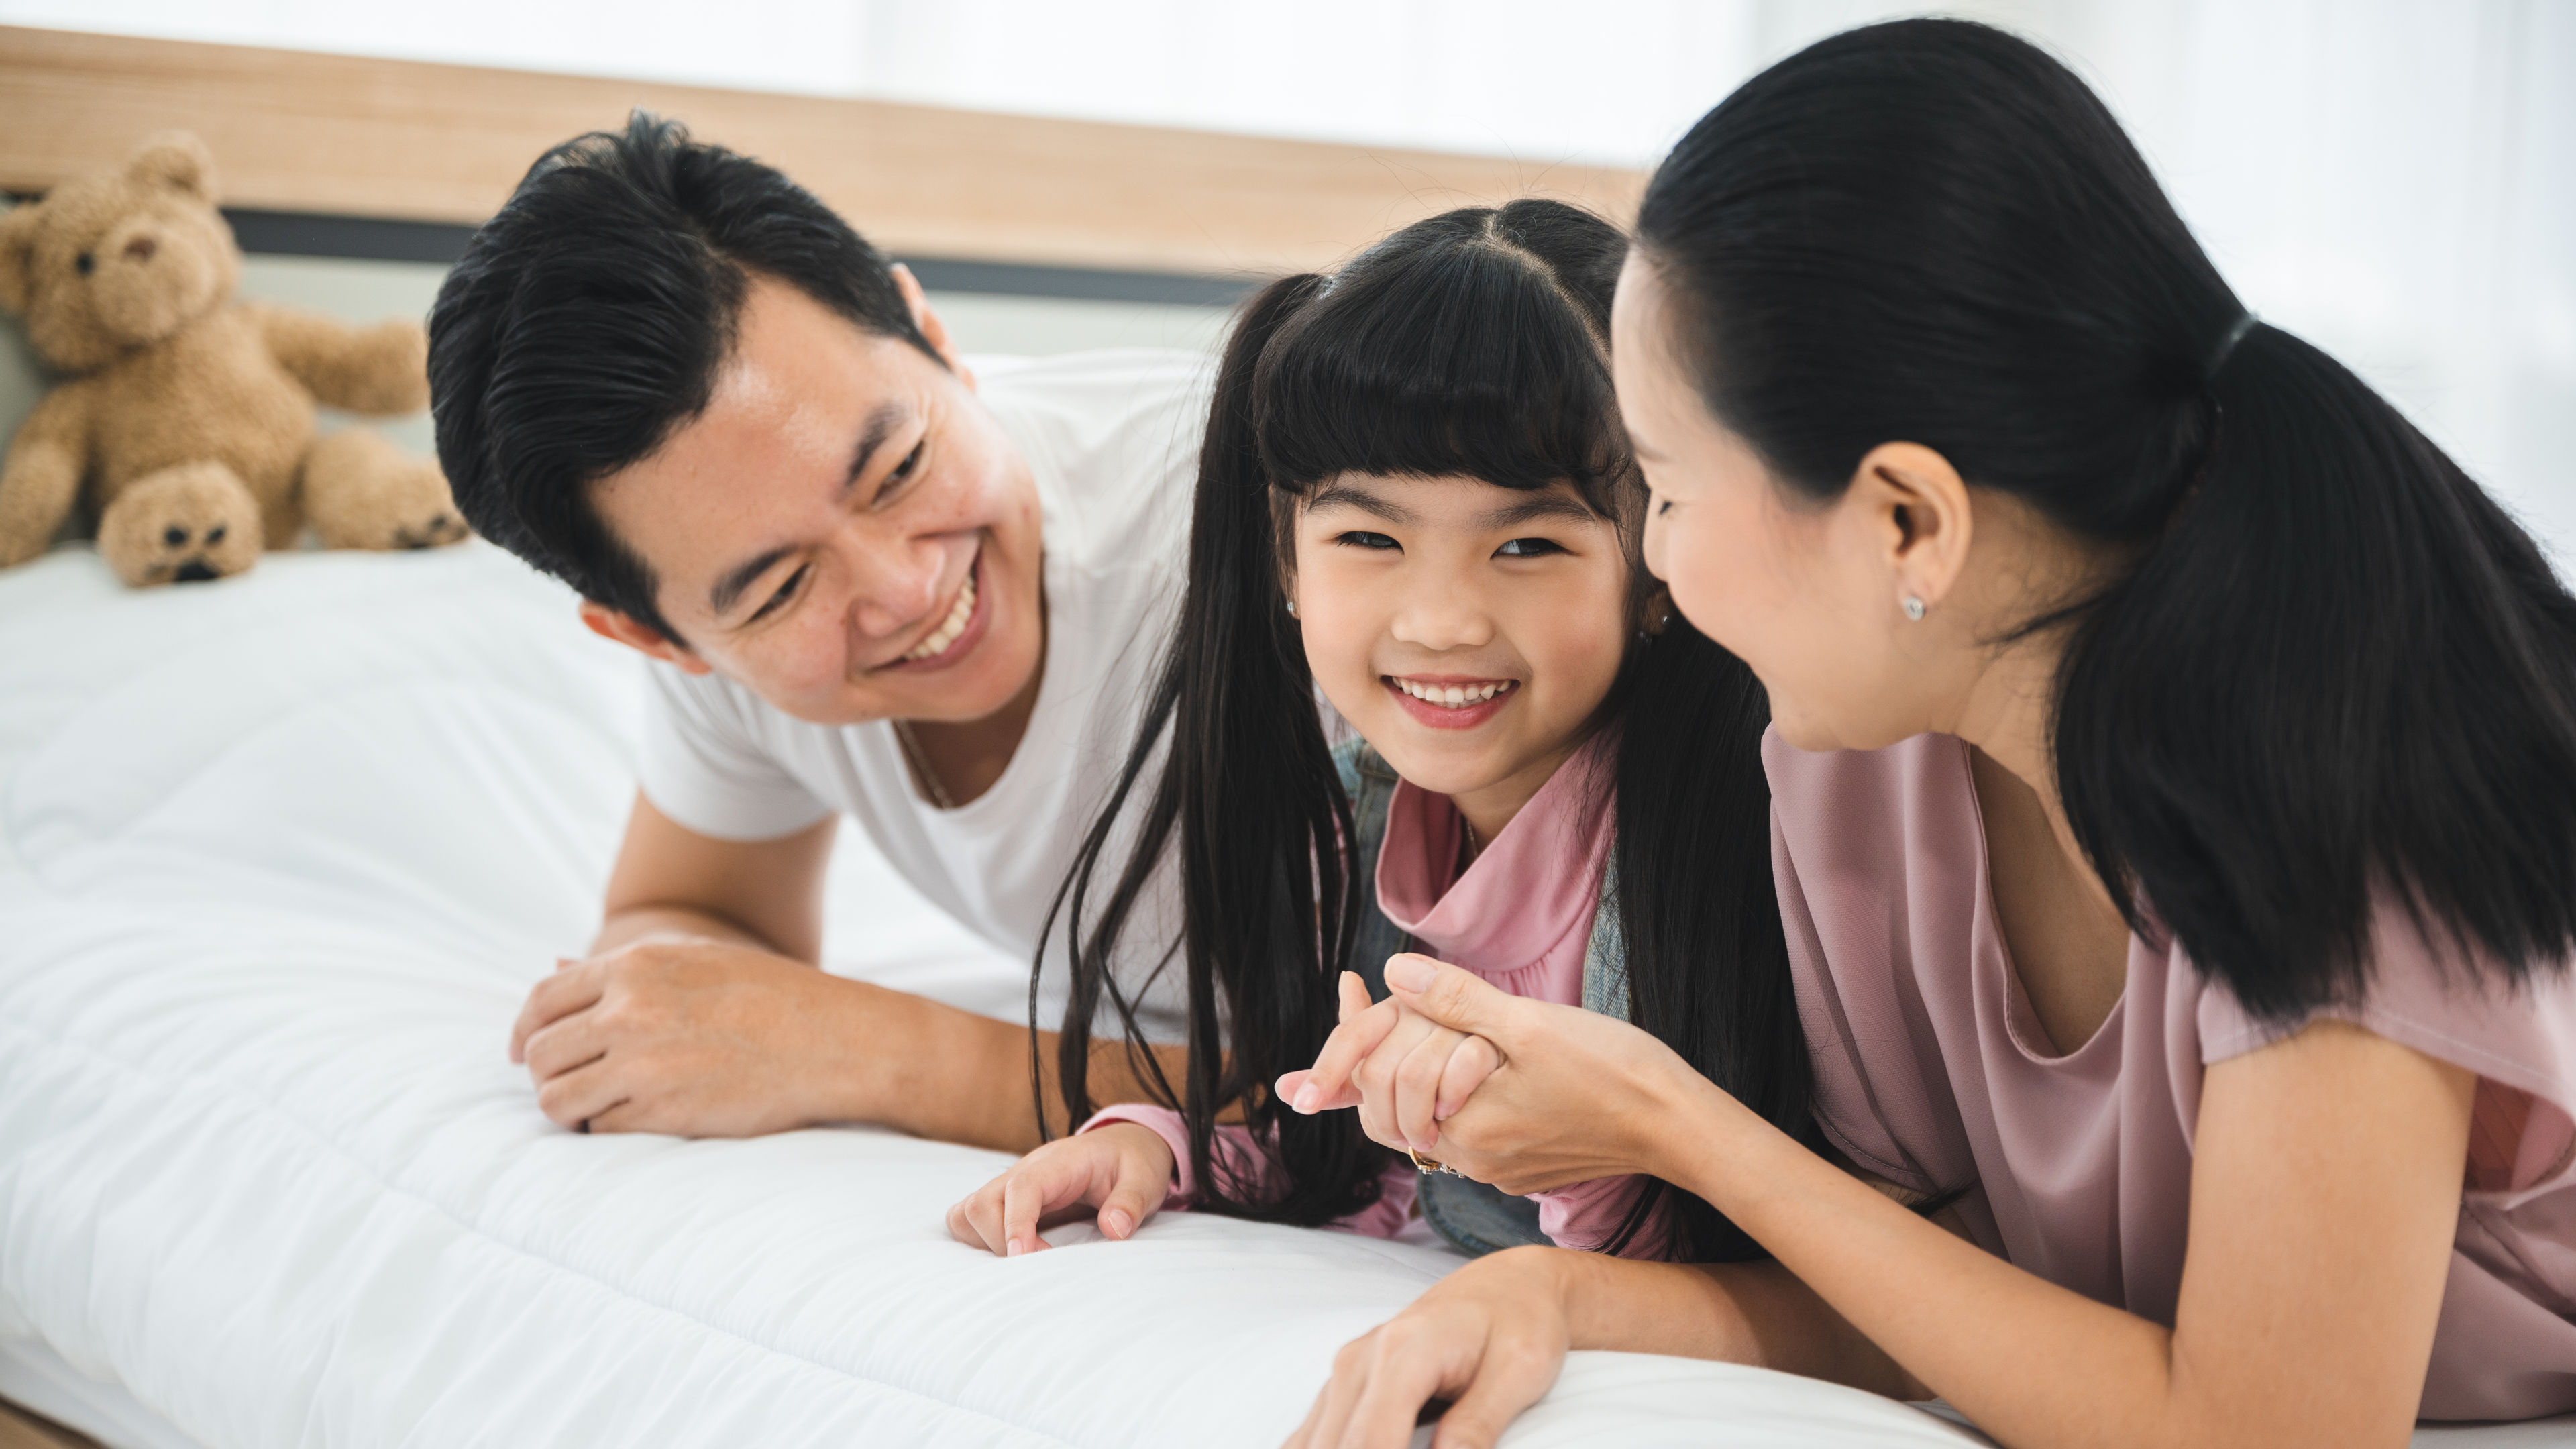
699,1012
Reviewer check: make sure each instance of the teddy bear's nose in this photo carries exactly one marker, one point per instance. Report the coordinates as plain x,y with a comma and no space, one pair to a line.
194,571
141,249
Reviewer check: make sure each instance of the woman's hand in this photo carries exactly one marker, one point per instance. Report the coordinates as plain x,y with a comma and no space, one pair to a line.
1121,1169
1574,1095
1489,1338
1413,1071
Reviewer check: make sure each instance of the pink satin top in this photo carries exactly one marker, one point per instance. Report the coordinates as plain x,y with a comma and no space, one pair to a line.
1520,916
1933,1071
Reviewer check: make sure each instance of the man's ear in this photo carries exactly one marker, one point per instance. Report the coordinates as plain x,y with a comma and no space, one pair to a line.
175,159
1919,519
927,321
17,255
641,637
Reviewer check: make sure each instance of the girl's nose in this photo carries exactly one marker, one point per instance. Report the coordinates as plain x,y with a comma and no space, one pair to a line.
1445,617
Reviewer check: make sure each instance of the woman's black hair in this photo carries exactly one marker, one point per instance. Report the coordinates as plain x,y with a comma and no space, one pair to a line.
1472,343
2330,666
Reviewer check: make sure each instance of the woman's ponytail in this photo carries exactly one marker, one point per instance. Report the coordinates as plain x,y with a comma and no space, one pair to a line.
2341,668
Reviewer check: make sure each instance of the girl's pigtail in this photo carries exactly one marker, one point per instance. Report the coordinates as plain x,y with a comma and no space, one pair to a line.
1248,786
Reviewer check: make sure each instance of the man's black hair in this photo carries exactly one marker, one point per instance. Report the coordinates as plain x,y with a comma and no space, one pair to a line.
586,321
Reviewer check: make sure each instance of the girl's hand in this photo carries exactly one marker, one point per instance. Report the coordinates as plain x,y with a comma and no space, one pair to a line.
1413,1071
1489,1338
1576,1094
1121,1169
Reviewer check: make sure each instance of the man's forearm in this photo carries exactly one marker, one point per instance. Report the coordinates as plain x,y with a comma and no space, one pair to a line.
973,1083
638,923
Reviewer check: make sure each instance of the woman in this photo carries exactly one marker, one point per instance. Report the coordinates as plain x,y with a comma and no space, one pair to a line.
2174,779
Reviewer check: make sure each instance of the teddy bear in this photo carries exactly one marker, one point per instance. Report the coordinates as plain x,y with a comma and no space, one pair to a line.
188,415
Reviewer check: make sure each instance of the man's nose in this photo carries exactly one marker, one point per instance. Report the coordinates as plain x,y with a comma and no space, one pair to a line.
894,582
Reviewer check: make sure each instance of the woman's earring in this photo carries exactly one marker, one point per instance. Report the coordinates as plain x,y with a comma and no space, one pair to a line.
1292,608
1913,607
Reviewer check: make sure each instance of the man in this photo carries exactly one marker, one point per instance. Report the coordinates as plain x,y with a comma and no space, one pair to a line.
668,376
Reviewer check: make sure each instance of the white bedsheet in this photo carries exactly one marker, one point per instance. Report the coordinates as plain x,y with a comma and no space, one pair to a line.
279,857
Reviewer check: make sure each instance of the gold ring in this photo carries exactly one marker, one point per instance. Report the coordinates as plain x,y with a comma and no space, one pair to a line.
1431,1164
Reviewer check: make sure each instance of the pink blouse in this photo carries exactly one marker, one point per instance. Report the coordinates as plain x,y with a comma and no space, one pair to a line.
1520,917
1932,1070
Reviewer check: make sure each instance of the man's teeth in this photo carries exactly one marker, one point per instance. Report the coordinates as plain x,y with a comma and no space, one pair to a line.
950,627
1454,696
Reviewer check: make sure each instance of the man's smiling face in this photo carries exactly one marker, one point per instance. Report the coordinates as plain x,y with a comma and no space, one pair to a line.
845,529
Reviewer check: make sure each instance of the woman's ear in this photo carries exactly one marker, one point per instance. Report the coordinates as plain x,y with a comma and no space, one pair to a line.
1916,511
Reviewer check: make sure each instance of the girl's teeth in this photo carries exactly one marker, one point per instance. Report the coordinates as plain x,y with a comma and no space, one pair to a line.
950,627
1453,696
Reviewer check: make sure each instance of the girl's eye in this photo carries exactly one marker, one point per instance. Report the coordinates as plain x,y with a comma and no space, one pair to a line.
786,592
1359,538
1663,505
1529,548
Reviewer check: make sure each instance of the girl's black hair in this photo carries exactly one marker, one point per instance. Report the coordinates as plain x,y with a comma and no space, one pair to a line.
2333,665
1474,343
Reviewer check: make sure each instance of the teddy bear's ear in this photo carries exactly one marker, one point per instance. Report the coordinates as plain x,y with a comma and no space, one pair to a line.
176,159
17,255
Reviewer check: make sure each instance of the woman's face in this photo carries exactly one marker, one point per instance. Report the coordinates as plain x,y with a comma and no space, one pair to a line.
1468,631
1809,596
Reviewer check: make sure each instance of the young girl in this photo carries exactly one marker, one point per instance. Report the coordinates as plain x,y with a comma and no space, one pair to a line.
2176,791
1416,497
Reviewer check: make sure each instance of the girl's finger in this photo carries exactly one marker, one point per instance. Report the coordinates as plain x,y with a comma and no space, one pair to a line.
1023,1203
1141,1184
1469,1066
1348,1046
1354,996
984,1215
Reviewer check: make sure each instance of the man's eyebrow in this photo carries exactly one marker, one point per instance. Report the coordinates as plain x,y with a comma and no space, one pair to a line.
1535,507
743,576
1352,496
880,426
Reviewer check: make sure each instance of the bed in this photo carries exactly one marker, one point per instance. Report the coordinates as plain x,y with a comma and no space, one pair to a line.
278,858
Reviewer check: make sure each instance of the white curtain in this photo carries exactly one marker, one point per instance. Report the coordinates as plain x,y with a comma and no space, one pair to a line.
2394,179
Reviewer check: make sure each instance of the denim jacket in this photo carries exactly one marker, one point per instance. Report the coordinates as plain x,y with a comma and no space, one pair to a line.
1474,1217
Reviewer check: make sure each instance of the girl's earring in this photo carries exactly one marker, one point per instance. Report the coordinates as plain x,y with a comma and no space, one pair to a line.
1292,608
1913,607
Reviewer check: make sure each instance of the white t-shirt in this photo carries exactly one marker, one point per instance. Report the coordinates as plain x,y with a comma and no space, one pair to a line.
1112,440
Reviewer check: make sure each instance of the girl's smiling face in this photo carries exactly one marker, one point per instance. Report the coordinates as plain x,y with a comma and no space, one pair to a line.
1469,632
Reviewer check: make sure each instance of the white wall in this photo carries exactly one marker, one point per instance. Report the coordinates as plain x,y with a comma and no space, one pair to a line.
2395,179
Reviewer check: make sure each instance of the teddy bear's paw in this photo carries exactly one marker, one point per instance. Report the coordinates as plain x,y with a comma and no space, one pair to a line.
362,492
181,525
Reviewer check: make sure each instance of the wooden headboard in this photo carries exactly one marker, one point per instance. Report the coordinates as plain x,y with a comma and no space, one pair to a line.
399,140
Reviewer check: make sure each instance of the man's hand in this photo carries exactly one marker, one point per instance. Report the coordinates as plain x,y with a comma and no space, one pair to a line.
704,1038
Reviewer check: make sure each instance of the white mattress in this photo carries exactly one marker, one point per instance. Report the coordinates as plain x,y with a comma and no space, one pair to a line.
278,858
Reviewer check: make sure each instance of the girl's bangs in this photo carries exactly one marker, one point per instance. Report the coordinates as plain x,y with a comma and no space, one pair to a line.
1451,360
